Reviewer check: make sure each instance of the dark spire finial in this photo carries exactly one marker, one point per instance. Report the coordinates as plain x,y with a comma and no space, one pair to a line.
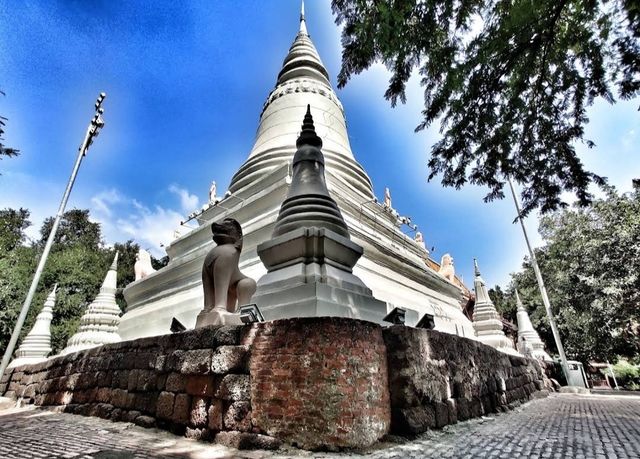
475,266
308,134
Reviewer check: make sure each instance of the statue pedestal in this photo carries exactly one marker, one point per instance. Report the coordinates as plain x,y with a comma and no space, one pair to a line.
310,275
217,317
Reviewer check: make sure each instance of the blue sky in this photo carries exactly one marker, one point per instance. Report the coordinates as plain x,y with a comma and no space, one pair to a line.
185,84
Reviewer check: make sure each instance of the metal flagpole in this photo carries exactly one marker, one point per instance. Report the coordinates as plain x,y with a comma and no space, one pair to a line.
92,131
543,290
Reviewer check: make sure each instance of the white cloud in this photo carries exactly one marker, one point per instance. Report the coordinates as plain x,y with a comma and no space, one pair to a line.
151,226
102,201
121,217
188,201
152,229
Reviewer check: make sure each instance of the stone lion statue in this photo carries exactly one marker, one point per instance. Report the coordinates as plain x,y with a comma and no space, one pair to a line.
225,287
142,267
446,267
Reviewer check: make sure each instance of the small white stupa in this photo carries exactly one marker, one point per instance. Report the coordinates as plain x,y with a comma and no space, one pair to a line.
529,342
99,324
36,346
486,319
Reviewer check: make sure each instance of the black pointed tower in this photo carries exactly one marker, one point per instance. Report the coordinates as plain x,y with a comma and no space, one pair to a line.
310,259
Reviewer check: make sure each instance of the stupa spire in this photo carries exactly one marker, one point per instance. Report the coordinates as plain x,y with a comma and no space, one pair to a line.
529,342
519,302
486,319
36,346
303,24
302,79
99,324
308,203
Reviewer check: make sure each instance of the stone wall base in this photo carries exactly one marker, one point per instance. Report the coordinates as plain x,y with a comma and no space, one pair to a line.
315,383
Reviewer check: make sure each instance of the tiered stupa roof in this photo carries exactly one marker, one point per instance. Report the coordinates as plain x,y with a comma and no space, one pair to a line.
486,319
529,342
99,324
302,80
36,346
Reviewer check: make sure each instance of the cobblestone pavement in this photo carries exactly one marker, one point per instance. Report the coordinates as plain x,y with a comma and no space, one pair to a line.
575,426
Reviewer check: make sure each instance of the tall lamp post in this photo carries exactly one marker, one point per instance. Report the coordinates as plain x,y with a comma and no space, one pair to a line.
543,290
93,130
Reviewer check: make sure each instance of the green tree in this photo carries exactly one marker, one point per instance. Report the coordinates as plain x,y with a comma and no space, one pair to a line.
509,81
5,151
75,229
78,263
12,225
591,268
505,302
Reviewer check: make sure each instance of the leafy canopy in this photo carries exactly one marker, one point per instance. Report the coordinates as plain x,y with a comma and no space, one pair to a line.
78,263
591,268
5,151
509,80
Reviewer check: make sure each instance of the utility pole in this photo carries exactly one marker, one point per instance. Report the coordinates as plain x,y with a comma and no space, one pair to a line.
543,290
93,130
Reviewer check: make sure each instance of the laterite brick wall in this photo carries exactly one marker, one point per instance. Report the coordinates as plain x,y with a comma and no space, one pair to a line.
437,379
317,383
320,382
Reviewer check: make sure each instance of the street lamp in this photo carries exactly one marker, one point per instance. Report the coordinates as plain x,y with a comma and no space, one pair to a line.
93,130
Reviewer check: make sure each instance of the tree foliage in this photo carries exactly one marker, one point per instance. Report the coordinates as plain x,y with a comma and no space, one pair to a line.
5,151
75,229
78,263
509,80
12,225
591,267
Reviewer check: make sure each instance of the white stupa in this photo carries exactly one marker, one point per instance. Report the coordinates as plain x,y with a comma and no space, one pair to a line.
99,324
486,319
393,264
36,346
529,342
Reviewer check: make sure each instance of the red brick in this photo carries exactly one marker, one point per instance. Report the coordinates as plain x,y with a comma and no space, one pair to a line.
201,385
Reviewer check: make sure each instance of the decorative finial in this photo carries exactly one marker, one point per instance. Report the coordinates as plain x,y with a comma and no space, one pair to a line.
114,263
519,302
55,288
303,24
475,267
308,135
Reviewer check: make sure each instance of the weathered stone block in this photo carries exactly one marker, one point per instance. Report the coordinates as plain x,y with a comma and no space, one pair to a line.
164,405
215,415
197,433
174,360
146,402
145,421
146,380
130,416
199,409
230,359
196,362
235,388
442,414
238,416
176,382
132,382
181,409
414,420
243,440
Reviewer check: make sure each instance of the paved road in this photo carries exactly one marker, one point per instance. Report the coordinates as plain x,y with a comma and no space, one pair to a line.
575,426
